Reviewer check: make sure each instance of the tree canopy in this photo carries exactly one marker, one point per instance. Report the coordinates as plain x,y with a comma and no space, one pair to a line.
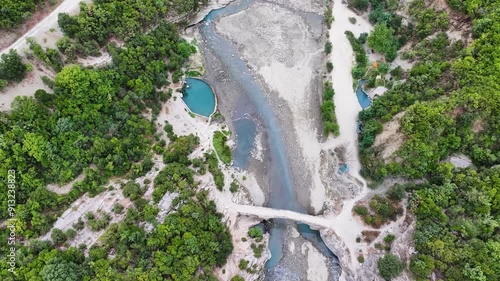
450,99
93,124
12,67
382,40
390,266
13,12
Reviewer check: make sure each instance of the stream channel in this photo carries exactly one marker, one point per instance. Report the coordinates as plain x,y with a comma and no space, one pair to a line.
282,194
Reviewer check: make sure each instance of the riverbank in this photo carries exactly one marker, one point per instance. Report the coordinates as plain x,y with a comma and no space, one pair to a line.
282,43
285,50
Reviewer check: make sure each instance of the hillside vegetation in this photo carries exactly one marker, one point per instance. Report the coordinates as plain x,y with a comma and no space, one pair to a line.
92,123
14,12
451,100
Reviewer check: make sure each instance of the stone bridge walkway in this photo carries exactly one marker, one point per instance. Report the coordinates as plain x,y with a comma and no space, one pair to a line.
314,222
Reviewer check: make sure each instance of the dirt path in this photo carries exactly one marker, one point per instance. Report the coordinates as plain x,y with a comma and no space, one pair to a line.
346,104
347,108
46,32
67,6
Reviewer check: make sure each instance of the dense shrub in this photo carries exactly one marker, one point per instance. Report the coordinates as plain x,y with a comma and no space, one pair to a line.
223,151
12,67
390,266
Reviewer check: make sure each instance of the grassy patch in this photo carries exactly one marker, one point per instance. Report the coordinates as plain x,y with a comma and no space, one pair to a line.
213,168
328,111
193,73
220,146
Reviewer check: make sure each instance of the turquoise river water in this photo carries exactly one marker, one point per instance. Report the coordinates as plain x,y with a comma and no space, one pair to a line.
282,193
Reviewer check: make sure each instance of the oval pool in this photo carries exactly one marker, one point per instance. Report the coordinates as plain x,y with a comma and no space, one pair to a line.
199,97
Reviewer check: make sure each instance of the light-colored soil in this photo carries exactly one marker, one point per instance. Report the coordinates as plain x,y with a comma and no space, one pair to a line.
460,161
317,264
242,250
391,139
64,189
27,87
7,37
478,126
42,29
283,48
404,64
309,6
47,38
103,60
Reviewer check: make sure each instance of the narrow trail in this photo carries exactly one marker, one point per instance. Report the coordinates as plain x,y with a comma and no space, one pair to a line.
346,104
67,6
347,108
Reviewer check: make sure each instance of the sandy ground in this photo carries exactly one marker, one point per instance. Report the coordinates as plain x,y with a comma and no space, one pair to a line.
292,74
391,139
100,61
63,189
7,37
346,226
317,264
43,27
27,87
460,161
346,104
47,38
308,6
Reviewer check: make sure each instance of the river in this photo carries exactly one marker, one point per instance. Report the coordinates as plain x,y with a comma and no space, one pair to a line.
254,106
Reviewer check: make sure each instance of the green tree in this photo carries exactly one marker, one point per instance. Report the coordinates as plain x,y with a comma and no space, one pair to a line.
60,270
13,13
382,40
329,66
132,190
222,149
255,232
328,47
397,192
361,5
12,67
390,266
422,266
58,236
234,187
